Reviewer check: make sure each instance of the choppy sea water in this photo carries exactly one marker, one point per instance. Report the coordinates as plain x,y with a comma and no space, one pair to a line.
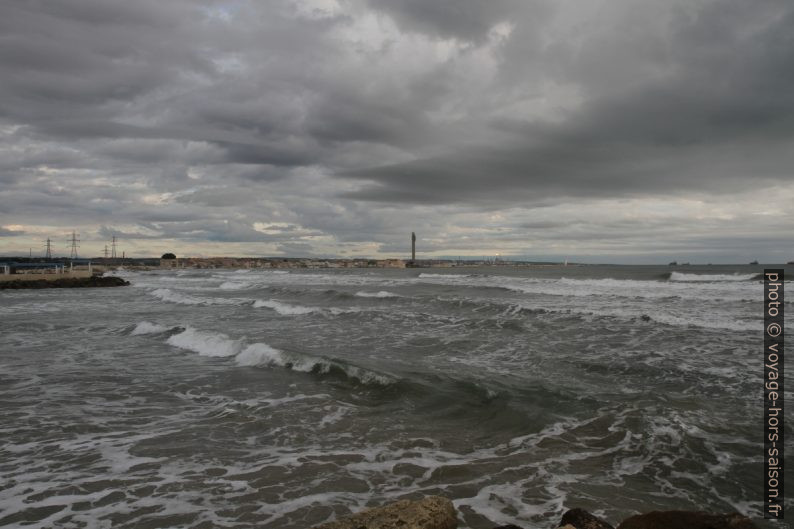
282,399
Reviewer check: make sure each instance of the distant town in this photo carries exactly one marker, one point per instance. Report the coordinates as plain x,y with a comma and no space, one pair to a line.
111,259
268,262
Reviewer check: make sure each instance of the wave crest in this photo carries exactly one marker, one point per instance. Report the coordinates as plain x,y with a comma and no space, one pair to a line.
261,354
206,343
681,276
379,294
146,327
285,309
166,294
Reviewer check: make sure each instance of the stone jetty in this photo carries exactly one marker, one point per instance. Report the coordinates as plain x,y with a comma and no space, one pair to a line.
66,282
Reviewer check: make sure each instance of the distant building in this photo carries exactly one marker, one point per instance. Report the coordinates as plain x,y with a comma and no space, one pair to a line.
168,262
391,263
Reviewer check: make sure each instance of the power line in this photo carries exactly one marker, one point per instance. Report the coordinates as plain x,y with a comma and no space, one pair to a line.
48,249
106,251
74,245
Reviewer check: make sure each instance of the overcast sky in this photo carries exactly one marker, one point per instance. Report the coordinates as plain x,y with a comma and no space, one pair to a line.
604,131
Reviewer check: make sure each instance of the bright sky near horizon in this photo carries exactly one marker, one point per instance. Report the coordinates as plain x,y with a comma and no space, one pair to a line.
606,131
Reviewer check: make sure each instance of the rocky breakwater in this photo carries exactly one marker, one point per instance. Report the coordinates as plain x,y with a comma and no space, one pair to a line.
435,512
66,282
432,512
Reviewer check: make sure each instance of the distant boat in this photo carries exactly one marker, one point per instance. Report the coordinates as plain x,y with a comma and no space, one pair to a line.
753,262
674,263
790,262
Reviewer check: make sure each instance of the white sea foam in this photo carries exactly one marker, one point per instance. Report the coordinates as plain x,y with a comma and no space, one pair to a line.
261,354
680,276
166,294
284,309
206,343
604,287
656,314
336,311
146,327
233,285
379,294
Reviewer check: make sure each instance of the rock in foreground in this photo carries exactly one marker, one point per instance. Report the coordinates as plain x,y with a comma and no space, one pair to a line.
432,512
435,512
581,519
66,282
686,520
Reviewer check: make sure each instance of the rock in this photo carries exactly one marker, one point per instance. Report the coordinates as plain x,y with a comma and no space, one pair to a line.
66,282
432,512
508,526
686,520
581,519
645,317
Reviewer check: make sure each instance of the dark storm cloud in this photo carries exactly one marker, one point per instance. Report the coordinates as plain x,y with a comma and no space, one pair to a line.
721,119
468,20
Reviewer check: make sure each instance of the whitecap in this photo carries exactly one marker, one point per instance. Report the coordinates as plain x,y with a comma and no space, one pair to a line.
233,285
284,309
681,276
379,294
206,343
146,327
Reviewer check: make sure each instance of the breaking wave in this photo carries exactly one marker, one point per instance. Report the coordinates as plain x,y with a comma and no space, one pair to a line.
261,354
166,294
429,275
146,327
379,294
681,276
285,309
233,285
206,343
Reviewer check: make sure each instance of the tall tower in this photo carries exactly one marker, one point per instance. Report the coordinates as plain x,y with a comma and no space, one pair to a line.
113,248
48,249
74,244
106,251
413,246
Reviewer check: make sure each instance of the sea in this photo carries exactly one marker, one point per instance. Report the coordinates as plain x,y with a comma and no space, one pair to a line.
261,398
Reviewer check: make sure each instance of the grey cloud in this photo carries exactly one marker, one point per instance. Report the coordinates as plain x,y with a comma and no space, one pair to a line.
298,249
196,119
721,119
467,20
